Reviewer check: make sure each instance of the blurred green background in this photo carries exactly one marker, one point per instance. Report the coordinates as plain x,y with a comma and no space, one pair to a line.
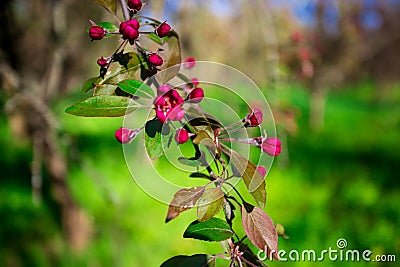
330,70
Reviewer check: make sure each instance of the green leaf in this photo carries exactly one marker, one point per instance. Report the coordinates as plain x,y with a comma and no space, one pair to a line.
157,138
136,88
260,229
183,200
90,84
197,260
110,5
213,229
102,106
108,26
155,38
253,180
210,204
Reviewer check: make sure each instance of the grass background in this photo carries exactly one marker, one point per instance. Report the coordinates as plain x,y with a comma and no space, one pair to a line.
340,182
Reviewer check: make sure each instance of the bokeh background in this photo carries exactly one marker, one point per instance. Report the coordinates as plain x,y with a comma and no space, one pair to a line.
329,68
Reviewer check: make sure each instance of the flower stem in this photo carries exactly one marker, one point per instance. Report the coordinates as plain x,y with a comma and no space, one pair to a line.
237,140
124,8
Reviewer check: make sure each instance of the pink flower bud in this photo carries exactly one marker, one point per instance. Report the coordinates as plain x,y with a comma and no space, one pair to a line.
271,146
129,29
195,82
155,59
196,95
125,135
96,32
135,4
261,170
181,136
102,62
189,63
163,29
254,118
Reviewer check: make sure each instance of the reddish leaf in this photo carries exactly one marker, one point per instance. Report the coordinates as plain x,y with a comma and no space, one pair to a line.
183,200
253,180
171,53
210,204
202,137
260,229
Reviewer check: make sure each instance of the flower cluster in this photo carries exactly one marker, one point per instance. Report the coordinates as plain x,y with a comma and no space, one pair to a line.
176,111
130,31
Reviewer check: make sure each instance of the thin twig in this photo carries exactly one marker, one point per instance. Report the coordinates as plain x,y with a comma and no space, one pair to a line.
124,9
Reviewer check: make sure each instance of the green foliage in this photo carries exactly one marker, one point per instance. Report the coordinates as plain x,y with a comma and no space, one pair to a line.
253,180
158,137
108,26
213,229
102,106
183,200
317,203
136,88
210,203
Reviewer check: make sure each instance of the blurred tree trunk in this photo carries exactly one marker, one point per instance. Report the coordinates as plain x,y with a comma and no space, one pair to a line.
32,67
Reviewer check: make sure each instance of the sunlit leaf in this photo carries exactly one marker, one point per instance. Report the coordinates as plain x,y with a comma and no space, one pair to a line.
253,180
183,200
110,5
213,229
102,106
210,203
260,229
157,138
108,26
197,260
135,87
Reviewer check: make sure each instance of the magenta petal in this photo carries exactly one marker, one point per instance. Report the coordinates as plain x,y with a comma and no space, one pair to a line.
176,114
160,115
